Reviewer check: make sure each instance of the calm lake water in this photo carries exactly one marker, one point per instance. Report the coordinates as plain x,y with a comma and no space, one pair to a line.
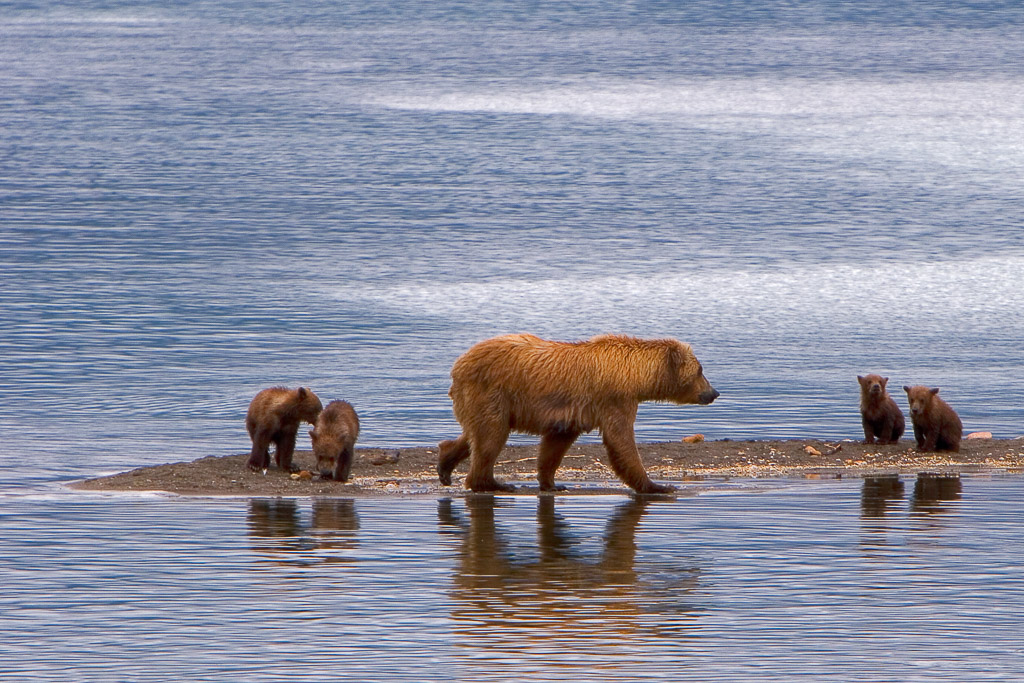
202,199
880,580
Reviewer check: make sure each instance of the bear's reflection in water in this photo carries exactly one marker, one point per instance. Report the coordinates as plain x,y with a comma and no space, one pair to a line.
933,491
878,493
278,528
515,592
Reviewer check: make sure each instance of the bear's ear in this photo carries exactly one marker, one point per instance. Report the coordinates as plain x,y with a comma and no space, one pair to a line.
885,380
679,357
860,379
906,388
302,393
673,358
935,391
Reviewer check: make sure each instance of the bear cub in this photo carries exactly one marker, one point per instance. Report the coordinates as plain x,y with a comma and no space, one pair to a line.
879,414
937,427
274,417
334,439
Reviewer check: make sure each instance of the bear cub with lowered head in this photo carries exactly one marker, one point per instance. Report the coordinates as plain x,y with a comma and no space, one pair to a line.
334,440
559,390
879,414
274,416
937,427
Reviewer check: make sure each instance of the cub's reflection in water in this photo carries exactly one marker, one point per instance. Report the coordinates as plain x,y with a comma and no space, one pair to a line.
933,491
277,527
603,591
878,494
932,496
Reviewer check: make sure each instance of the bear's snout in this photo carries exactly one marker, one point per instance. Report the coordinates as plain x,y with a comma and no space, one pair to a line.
707,396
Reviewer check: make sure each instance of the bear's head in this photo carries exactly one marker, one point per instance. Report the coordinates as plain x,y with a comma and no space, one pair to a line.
920,398
873,385
686,376
307,405
333,460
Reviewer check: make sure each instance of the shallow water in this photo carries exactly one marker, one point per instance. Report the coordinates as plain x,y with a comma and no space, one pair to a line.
885,579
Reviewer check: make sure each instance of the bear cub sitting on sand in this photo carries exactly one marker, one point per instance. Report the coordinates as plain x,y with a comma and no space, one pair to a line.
879,414
937,427
334,440
274,416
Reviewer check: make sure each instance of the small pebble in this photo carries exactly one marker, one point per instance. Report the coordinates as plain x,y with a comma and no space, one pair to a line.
386,458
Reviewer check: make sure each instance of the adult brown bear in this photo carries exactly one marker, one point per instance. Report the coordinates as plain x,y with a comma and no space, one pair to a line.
558,390
274,416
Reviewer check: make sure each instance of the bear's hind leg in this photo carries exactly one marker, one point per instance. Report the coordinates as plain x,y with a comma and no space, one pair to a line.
553,446
259,457
285,449
450,454
485,448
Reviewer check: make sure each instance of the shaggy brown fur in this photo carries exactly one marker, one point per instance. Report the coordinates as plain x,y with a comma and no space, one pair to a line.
334,440
879,414
937,427
274,417
559,390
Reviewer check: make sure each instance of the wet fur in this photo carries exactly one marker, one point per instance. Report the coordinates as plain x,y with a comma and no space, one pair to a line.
881,418
937,427
559,390
334,440
273,417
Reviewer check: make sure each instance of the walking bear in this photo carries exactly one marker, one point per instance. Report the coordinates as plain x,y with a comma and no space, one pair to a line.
334,440
937,427
879,414
559,390
274,417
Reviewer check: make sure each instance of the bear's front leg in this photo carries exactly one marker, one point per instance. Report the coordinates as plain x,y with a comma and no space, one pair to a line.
886,430
869,430
620,443
919,437
344,464
259,457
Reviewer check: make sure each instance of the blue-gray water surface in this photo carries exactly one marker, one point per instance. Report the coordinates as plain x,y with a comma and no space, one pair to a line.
200,199
882,580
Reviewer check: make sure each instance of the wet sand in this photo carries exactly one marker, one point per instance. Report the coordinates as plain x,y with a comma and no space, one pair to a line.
409,471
